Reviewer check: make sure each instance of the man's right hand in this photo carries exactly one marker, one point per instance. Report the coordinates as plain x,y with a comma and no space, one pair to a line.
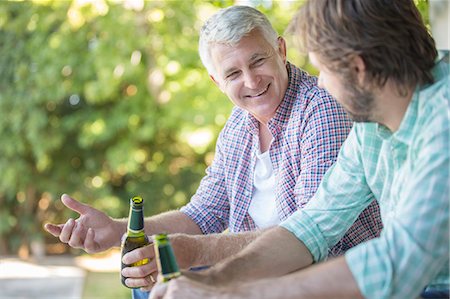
145,276
93,231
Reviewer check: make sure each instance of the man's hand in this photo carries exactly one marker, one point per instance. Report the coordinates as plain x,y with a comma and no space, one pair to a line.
93,231
144,276
185,288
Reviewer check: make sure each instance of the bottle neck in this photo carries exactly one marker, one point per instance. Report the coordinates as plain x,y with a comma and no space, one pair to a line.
136,221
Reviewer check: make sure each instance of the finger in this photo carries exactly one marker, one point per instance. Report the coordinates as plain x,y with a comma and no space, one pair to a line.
158,291
66,231
146,283
77,237
53,229
140,271
138,254
74,204
89,242
152,278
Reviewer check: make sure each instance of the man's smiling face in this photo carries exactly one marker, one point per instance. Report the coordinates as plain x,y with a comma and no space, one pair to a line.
252,73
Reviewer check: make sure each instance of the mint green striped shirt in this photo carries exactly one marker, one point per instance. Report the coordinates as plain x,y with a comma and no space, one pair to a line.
408,173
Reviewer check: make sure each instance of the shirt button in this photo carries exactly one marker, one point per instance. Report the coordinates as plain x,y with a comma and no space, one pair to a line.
247,193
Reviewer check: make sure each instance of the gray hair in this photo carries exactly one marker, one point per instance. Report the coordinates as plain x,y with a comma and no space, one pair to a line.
229,26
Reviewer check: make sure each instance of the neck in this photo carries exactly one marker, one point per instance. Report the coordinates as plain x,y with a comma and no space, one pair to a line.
265,137
392,105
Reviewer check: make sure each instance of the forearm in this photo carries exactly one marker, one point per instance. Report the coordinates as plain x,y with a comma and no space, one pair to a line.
274,253
210,249
168,222
171,222
331,279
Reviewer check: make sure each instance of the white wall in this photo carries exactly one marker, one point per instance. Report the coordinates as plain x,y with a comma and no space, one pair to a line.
439,21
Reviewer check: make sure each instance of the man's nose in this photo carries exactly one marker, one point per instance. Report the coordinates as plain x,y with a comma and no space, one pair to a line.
251,80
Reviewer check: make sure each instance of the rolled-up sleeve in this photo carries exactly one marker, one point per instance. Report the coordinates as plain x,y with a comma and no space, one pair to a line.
342,195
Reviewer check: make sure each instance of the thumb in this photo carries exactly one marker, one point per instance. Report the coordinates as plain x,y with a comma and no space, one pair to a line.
74,204
158,291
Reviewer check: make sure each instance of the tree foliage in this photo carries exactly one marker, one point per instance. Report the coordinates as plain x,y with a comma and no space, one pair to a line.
104,100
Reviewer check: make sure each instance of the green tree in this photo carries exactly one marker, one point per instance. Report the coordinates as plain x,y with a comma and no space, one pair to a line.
104,100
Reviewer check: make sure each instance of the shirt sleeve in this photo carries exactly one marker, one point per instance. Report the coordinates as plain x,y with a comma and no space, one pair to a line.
209,207
414,245
325,127
340,198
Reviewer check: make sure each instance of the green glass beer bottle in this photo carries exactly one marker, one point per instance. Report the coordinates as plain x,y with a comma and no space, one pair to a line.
165,258
135,236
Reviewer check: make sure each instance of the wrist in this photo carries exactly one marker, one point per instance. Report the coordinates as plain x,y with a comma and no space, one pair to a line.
120,227
184,248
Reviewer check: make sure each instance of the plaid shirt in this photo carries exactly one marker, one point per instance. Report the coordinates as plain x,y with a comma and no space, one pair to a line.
407,172
308,130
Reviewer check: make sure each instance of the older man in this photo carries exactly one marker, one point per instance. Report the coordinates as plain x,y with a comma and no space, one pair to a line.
379,61
281,137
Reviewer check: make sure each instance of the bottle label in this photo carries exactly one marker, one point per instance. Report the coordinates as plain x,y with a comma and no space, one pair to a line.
165,258
136,221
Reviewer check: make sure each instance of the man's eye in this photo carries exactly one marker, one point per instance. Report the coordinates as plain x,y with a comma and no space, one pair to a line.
232,75
259,61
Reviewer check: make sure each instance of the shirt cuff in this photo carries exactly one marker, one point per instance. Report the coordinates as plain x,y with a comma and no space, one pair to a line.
205,221
307,231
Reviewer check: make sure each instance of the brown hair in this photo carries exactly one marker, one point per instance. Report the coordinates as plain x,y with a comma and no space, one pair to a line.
389,35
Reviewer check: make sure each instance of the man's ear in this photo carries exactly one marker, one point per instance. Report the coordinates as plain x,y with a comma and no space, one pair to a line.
359,67
282,48
216,82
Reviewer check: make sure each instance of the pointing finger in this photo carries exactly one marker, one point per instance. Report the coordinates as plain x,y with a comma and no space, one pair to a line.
74,204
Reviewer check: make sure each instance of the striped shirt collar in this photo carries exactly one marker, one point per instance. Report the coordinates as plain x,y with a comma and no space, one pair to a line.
403,134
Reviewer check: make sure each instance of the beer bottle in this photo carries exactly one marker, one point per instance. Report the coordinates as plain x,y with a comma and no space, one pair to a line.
135,236
165,258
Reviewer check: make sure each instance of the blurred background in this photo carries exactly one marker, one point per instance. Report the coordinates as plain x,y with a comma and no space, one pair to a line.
104,100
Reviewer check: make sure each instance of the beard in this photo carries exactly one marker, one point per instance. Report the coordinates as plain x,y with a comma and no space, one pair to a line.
359,104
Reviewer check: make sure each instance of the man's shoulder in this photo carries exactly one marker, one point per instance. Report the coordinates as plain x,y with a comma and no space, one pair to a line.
304,86
236,124
434,105
237,118
436,97
300,81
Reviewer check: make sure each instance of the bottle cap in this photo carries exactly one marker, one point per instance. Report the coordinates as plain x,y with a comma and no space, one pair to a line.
137,201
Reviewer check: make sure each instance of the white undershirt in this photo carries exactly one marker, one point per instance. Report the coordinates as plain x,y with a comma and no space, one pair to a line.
262,207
